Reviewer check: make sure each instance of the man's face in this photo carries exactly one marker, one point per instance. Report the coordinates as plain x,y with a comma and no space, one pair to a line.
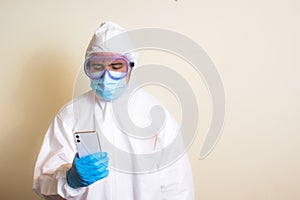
112,62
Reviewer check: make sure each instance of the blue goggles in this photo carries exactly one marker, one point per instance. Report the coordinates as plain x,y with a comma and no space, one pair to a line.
96,65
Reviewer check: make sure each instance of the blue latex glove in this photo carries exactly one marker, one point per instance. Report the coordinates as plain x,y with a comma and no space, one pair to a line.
87,170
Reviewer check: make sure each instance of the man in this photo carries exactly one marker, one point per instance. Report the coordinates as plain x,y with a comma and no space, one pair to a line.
124,169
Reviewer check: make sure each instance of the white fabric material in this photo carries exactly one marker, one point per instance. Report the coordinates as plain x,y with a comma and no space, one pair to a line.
101,42
58,150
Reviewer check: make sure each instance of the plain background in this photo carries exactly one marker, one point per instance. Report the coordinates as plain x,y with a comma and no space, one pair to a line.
254,45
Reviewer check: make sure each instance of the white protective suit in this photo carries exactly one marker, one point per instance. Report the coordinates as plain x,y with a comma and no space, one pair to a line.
87,112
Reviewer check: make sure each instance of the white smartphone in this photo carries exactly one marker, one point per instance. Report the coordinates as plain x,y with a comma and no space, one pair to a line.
87,143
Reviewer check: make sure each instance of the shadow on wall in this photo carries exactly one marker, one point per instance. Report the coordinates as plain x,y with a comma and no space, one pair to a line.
44,87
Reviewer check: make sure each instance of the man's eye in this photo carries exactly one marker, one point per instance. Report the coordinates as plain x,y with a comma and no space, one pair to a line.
97,67
117,66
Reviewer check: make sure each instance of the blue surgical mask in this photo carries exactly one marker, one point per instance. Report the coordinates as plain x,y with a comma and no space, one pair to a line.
108,87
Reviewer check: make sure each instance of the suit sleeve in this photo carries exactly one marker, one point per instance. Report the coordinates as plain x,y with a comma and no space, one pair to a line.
176,176
177,181
54,159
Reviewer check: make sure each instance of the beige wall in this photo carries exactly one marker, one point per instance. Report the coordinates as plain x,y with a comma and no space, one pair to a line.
254,44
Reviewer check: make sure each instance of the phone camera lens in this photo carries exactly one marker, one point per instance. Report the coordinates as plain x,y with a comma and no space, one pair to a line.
78,141
77,136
